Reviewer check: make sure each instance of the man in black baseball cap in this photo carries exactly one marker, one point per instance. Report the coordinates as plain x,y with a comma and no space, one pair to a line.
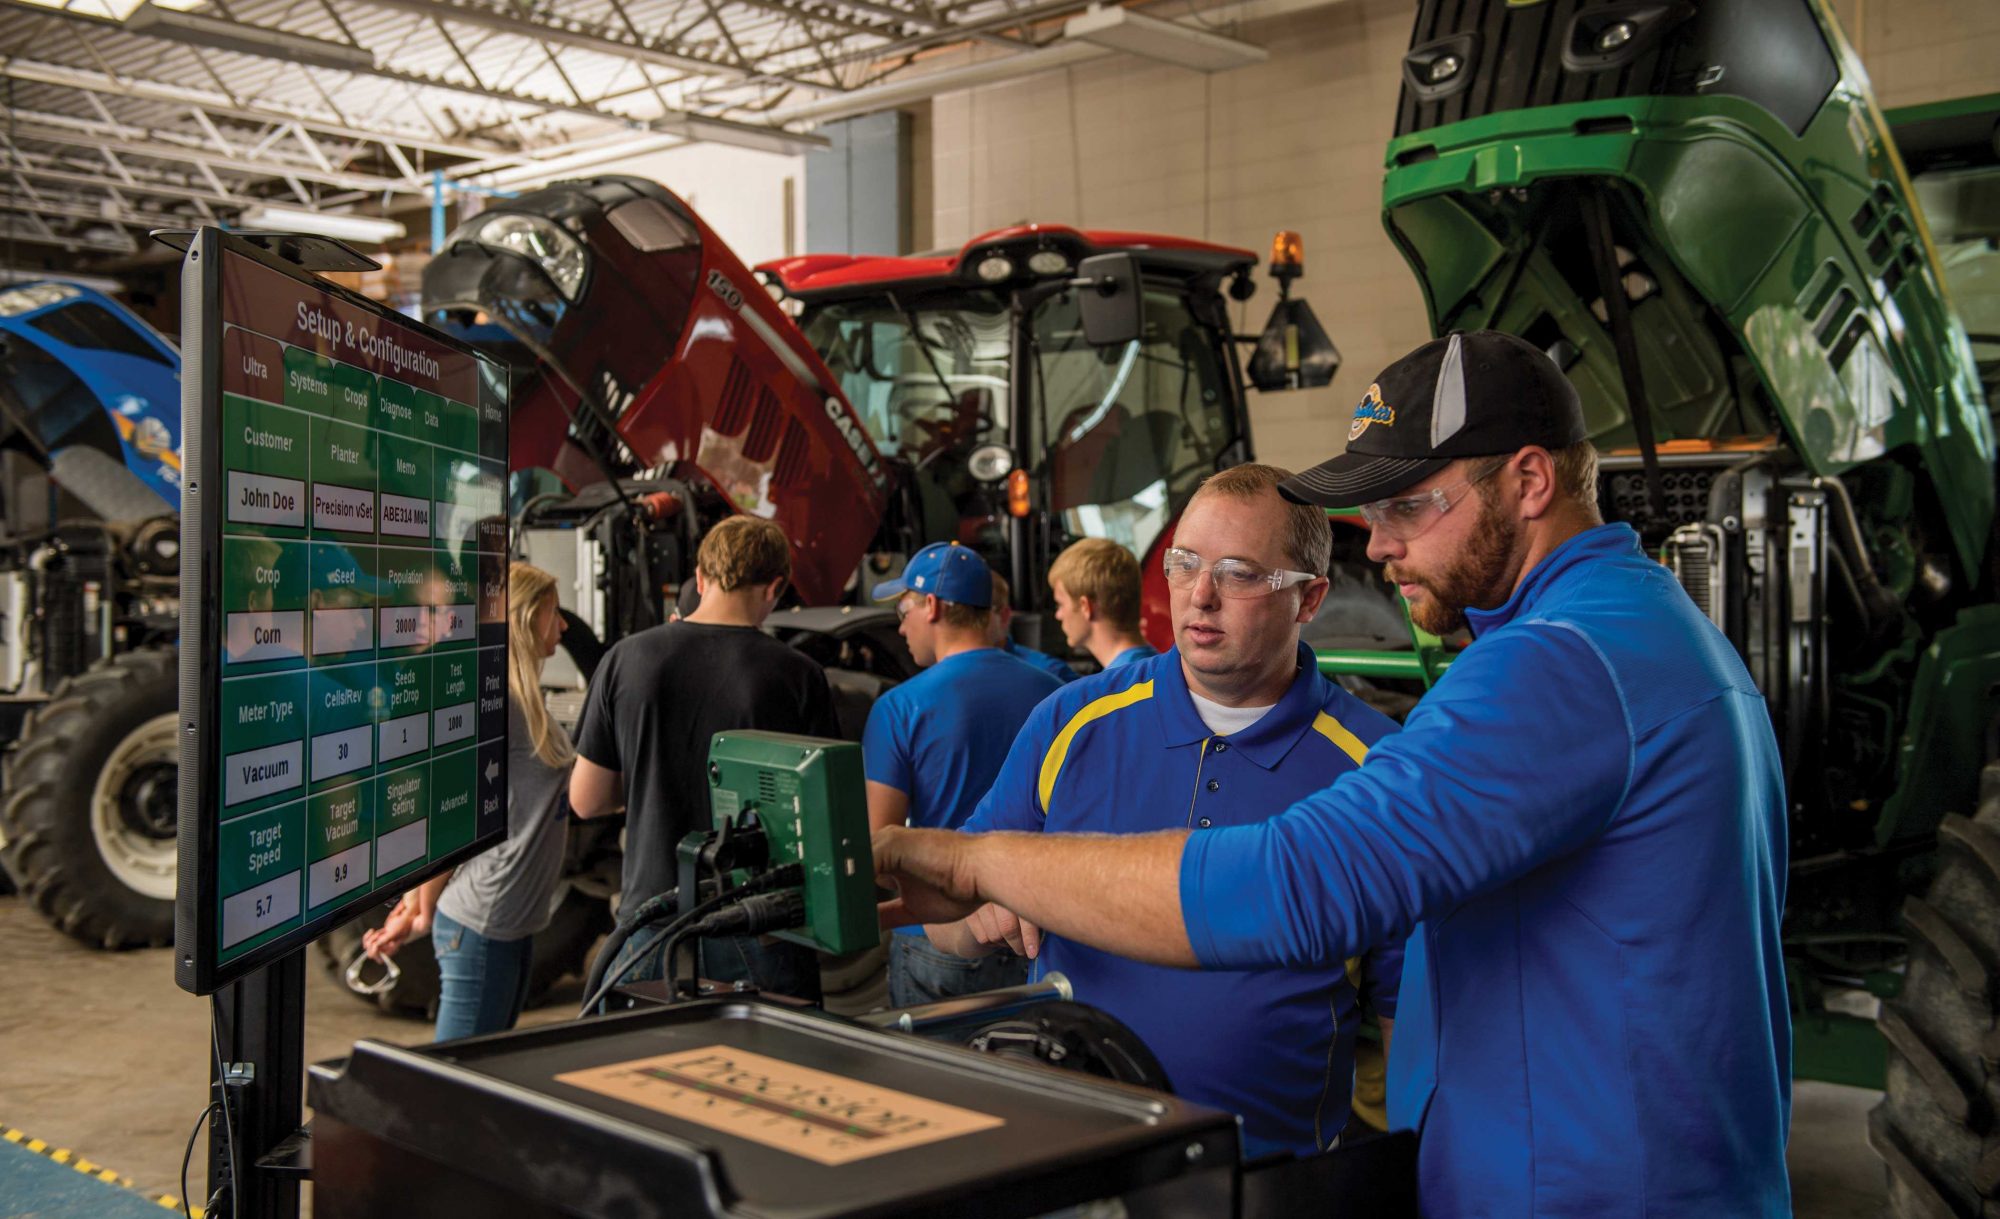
1581,830
1435,425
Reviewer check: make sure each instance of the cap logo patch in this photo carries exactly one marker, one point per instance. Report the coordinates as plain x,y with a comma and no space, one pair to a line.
1371,410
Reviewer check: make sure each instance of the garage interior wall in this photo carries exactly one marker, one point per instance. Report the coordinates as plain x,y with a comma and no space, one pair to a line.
1295,142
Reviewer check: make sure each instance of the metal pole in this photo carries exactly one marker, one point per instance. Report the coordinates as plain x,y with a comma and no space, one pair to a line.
257,1067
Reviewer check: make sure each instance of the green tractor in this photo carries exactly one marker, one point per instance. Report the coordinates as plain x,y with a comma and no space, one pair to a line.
1696,209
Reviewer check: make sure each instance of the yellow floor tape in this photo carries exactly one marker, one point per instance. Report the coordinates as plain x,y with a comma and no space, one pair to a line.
63,1155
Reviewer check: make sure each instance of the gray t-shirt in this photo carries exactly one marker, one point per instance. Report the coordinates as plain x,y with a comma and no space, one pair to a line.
504,893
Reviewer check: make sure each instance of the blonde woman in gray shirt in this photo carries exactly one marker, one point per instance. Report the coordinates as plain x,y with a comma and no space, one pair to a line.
483,917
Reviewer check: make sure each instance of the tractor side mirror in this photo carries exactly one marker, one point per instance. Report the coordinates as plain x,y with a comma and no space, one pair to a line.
1109,299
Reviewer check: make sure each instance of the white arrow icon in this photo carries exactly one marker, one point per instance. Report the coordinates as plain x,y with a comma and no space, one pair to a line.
492,769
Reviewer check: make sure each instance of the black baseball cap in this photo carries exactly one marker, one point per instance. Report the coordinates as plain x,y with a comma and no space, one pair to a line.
1474,393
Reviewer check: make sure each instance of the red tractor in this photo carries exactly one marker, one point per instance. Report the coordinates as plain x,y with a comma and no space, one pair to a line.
1039,384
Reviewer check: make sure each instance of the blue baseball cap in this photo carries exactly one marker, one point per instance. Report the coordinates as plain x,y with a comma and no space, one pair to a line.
944,570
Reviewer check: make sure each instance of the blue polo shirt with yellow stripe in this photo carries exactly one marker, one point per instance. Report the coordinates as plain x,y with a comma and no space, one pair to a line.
1124,752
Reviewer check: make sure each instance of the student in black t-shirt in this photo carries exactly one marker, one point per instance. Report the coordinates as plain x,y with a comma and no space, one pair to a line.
656,702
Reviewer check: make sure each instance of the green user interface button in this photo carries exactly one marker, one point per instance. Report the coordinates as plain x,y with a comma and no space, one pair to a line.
401,822
263,730
454,780
454,686
406,707
406,491
339,825
343,700
263,600
264,453
261,857
353,394
407,581
310,382
342,599
343,470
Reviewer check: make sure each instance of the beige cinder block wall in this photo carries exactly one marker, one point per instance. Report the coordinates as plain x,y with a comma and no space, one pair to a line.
1297,143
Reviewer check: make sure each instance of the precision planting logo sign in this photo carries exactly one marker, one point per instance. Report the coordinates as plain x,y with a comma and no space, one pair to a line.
1371,410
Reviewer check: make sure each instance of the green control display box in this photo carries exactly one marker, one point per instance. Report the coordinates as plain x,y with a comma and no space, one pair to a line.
344,608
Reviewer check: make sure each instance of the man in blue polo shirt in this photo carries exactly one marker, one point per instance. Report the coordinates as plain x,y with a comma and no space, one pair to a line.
1096,588
934,743
1229,728
1586,815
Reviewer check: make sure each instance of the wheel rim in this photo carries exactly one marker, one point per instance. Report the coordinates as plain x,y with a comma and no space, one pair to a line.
132,809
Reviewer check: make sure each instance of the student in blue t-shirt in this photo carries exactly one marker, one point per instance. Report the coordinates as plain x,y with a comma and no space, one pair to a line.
934,743
1000,633
1096,587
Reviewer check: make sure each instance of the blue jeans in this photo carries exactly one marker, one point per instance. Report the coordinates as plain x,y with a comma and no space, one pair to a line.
482,982
779,968
920,972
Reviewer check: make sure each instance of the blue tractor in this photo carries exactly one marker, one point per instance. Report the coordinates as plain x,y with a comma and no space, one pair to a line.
90,471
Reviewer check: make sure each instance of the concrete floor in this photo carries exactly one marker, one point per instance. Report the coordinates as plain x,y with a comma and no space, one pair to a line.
102,1054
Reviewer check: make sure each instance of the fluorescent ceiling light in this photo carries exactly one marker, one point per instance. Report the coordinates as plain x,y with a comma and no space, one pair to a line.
324,224
224,35
116,10
1122,29
97,283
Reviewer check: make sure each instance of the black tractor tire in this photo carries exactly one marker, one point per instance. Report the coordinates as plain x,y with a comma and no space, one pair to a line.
1935,1127
561,950
87,802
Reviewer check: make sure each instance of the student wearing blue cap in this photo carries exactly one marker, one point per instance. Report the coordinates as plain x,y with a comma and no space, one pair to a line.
934,743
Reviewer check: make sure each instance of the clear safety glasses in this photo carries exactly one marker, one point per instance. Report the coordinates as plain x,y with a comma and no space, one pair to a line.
1233,577
1408,516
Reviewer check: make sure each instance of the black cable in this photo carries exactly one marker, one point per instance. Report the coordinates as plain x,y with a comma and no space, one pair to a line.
776,878
189,1155
603,991
228,1124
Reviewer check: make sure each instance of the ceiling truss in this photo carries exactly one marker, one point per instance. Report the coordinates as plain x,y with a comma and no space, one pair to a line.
121,117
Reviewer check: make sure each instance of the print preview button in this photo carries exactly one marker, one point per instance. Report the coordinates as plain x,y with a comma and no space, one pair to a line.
337,874
336,753
343,508
407,735
252,911
398,847
260,499
342,630
254,635
261,772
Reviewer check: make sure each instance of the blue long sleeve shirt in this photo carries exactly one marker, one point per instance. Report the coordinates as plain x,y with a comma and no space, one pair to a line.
1584,824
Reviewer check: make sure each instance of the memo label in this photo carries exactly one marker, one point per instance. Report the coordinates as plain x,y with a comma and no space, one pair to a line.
830,1119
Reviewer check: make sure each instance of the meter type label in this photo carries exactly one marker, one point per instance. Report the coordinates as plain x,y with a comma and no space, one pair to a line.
362,723
827,1118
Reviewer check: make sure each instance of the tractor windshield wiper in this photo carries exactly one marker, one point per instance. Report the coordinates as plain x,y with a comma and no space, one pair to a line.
923,345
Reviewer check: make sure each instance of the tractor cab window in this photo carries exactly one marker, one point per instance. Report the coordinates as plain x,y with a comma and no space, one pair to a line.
1963,210
928,375
51,401
1128,431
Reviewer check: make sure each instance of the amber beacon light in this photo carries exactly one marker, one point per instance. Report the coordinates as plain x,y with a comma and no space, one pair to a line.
1017,493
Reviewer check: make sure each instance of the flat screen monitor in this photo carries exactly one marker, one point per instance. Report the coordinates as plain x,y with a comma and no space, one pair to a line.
343,607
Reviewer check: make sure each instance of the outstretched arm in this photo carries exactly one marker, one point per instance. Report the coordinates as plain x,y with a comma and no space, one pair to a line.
1117,892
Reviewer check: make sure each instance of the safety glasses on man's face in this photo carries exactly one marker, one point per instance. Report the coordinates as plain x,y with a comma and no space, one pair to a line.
1233,577
1409,516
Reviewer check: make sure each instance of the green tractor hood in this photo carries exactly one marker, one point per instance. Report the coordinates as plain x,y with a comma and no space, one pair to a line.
1780,281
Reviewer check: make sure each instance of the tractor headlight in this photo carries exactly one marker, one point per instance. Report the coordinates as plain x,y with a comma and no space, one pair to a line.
1048,262
994,267
536,238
